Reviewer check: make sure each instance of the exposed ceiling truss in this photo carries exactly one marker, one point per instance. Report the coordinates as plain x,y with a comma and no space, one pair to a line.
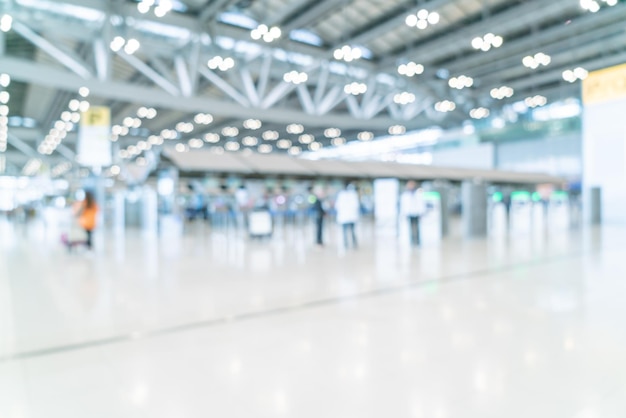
71,40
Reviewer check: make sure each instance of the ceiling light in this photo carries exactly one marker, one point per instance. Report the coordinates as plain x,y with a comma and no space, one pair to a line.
534,61
404,98
4,97
195,143
445,106
332,132
203,119
355,88
593,6
212,138
338,141
267,34
252,124
295,77
306,139
578,73
365,136
461,82
83,91
397,130
181,147
295,150
270,135
315,146
479,113
132,45
230,131
502,92
6,21
422,19
295,129
5,80
74,105
410,69
283,144
265,148
485,43
250,141
536,101
232,146
348,53
219,63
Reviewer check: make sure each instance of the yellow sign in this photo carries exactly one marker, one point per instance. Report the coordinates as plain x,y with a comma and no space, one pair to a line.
605,85
96,116
94,137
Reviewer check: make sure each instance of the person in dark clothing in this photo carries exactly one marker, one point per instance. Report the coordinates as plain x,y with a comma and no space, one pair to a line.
318,212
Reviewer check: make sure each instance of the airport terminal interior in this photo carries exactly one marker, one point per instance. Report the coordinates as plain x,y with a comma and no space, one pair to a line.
312,208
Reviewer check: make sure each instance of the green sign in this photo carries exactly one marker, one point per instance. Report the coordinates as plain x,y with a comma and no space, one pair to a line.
520,196
432,196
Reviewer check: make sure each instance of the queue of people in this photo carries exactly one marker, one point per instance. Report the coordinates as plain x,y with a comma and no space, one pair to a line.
347,207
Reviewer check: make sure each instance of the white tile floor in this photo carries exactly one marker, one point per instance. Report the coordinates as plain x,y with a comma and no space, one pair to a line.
216,325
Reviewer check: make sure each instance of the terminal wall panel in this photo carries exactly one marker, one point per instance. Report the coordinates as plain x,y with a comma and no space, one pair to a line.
604,150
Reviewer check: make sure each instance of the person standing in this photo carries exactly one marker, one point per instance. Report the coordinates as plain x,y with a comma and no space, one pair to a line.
318,212
87,215
348,210
412,206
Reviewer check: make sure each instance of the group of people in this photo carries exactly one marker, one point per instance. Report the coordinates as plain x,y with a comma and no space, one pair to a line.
348,211
347,208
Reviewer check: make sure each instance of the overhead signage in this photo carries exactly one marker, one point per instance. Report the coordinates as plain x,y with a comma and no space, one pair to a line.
94,137
605,85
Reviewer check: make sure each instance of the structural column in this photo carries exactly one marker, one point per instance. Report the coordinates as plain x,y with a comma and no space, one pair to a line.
474,201
604,144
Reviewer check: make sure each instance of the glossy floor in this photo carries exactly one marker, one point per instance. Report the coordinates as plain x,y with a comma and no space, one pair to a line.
213,324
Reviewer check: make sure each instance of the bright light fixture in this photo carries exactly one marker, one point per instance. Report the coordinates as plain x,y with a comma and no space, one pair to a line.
219,63
445,106
422,19
410,69
348,53
355,88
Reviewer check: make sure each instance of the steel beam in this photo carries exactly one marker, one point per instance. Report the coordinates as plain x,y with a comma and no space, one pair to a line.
46,75
66,58
221,84
149,72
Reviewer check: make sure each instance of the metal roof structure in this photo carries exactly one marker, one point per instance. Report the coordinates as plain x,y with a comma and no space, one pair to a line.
458,51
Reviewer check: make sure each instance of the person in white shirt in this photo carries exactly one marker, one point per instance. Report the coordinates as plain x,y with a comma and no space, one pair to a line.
348,208
412,206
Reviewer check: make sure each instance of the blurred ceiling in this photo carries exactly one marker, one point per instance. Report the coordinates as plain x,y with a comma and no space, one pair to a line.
53,48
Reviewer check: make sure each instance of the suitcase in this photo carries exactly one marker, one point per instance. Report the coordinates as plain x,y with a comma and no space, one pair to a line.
260,224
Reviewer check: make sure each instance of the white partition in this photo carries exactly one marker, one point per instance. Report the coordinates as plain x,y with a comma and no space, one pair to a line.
520,213
386,192
559,211
430,221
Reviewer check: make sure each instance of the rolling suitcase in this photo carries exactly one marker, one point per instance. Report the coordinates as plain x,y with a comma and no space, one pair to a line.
260,224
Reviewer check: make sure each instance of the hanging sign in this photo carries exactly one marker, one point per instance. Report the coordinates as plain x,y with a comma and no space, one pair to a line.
94,137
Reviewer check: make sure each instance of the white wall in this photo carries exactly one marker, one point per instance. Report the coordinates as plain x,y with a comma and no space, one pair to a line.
560,156
480,156
604,143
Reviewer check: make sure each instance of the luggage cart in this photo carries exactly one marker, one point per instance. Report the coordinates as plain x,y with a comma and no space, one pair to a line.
260,223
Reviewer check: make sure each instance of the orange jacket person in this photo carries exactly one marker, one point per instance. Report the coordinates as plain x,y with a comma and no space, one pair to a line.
87,216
